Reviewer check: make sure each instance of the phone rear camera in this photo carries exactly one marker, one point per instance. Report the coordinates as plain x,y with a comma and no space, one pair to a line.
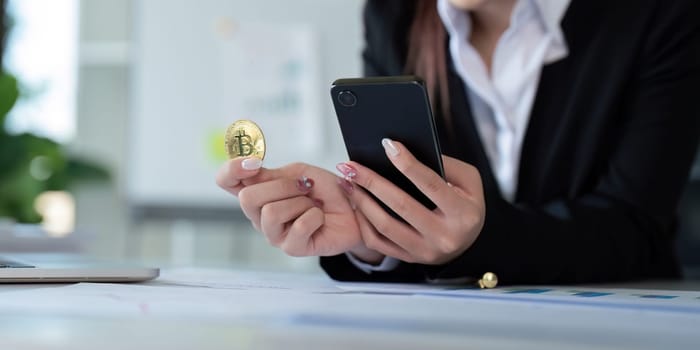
347,98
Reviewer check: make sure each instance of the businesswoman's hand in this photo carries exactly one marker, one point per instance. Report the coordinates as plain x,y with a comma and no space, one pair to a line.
428,236
299,208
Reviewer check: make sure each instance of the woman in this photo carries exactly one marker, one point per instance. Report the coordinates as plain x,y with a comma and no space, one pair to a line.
568,128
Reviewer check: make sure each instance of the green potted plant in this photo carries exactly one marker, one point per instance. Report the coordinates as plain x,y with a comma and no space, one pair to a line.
31,164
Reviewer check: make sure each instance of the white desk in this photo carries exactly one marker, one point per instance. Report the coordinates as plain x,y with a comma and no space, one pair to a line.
217,309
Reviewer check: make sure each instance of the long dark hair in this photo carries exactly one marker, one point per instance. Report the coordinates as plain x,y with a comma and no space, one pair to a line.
426,55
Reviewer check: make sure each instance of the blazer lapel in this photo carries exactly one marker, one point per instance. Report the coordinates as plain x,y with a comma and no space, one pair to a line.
553,115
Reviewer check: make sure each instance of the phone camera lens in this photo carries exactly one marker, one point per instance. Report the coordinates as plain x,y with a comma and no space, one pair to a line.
347,98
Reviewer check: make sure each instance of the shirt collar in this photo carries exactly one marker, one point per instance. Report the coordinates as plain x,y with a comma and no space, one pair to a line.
550,12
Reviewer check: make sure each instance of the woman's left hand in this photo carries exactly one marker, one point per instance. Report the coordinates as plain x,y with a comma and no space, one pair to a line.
428,236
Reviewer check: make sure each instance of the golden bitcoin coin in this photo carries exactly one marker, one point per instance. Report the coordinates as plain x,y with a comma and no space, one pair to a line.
244,139
489,280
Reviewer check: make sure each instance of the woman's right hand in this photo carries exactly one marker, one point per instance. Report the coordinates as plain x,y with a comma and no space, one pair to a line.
299,208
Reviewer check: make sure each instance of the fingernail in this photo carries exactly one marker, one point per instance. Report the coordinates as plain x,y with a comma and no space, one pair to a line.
304,184
345,185
347,170
390,147
251,163
317,202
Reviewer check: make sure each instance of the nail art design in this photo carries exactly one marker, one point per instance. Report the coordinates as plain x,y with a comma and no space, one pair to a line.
347,170
345,185
304,184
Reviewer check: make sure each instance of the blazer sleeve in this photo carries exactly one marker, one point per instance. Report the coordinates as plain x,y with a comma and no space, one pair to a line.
622,229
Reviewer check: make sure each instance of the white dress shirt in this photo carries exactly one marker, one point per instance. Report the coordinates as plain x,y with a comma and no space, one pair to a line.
501,101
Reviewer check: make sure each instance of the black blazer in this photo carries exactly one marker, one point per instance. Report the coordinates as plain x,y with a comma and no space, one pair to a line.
608,149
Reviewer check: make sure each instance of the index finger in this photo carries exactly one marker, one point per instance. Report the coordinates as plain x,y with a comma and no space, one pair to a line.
428,181
237,173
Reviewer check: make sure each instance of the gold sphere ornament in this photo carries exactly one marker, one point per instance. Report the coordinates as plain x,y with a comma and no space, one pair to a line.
244,138
488,280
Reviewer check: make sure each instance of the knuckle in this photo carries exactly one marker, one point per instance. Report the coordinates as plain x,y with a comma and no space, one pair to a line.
433,186
245,196
225,175
290,250
221,180
370,240
273,240
446,245
368,183
383,226
302,224
472,220
400,205
269,215
248,207
305,224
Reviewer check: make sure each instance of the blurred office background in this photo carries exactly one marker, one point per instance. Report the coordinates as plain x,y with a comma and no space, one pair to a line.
145,89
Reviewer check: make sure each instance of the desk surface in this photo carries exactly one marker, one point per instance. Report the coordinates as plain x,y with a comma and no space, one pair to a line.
212,309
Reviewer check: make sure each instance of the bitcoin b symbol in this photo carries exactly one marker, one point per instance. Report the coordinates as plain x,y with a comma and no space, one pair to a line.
245,144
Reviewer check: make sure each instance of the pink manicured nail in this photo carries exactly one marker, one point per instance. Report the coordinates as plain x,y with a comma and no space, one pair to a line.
304,184
345,185
251,163
390,147
347,170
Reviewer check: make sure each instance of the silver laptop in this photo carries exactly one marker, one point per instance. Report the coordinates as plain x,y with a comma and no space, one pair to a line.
48,268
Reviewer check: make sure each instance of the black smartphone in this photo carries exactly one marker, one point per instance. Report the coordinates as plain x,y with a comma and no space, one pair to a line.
397,107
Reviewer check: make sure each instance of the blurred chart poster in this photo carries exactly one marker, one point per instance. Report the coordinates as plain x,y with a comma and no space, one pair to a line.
270,74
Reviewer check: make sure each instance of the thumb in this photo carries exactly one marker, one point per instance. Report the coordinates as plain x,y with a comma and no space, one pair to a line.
233,171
